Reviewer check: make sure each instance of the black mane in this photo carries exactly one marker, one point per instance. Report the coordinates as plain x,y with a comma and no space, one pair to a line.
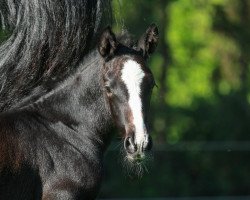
48,40
127,39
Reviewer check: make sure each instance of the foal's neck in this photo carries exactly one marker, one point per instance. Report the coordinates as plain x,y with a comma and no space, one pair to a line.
79,104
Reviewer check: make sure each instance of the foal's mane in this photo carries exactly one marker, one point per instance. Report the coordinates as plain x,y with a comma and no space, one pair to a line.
126,39
47,41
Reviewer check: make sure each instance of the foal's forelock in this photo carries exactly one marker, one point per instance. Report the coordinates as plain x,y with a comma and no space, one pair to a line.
132,75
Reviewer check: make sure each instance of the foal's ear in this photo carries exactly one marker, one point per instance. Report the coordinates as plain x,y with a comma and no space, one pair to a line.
107,43
149,40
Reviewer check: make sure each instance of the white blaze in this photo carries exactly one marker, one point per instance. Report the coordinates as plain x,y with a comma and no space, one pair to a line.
132,76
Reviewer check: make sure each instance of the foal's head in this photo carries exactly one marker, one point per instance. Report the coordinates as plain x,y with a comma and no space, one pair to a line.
128,84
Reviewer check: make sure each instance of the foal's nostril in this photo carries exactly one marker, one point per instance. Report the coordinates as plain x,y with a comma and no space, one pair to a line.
149,144
129,145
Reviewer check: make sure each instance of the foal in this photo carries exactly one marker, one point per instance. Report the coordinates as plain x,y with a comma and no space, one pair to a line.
53,148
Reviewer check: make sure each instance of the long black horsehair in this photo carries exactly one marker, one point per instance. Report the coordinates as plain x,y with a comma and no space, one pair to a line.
48,39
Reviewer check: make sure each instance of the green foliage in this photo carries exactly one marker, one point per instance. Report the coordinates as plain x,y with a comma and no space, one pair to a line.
193,63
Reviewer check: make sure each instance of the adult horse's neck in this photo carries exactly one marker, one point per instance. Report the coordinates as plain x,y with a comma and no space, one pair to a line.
77,109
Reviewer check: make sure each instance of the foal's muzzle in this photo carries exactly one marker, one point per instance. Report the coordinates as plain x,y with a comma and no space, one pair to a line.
135,150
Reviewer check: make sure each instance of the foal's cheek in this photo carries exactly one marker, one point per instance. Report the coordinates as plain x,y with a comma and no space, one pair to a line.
116,114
